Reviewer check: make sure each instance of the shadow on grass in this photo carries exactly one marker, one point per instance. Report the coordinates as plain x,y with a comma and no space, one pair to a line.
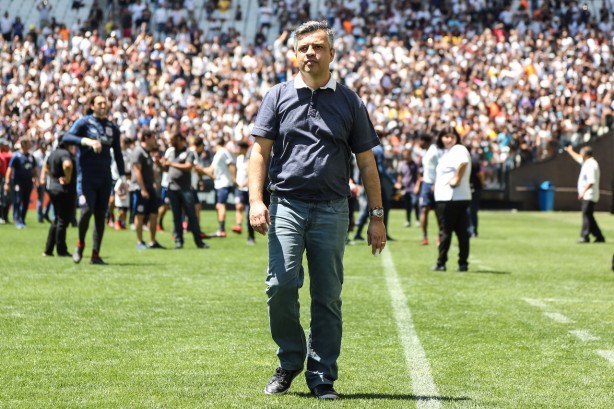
489,272
139,264
388,396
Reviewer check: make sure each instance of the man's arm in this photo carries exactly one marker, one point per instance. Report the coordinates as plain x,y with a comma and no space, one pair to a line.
574,155
67,167
233,172
136,171
7,179
259,216
74,136
376,233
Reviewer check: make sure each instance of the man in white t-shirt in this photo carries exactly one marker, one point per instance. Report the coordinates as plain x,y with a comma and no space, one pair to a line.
588,192
241,192
224,178
426,200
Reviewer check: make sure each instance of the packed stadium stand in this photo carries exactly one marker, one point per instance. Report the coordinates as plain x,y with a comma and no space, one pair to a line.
62,10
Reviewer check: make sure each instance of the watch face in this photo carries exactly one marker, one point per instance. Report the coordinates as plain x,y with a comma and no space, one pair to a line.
377,212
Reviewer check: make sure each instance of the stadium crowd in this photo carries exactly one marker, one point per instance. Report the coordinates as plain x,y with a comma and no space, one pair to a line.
517,81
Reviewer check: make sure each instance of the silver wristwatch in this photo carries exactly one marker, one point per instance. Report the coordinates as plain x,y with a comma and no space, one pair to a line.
376,212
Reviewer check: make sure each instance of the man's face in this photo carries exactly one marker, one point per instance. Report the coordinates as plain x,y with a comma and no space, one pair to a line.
178,142
151,142
100,107
26,145
313,53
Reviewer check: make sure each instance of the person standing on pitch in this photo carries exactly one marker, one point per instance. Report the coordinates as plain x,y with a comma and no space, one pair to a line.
22,176
179,163
452,197
96,136
144,191
588,192
305,133
61,186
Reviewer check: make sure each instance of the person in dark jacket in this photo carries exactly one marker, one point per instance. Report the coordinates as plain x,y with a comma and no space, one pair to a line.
61,186
97,138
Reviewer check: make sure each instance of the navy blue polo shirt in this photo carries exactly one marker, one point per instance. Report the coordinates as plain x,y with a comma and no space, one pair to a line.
314,134
23,168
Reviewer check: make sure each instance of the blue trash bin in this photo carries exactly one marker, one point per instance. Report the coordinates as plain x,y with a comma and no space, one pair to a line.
546,196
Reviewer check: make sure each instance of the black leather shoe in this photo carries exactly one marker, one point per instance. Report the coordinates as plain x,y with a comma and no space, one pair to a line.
463,267
600,240
97,260
281,381
439,267
325,391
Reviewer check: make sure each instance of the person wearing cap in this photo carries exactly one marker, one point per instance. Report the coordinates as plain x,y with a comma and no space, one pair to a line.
97,139
60,168
5,159
305,133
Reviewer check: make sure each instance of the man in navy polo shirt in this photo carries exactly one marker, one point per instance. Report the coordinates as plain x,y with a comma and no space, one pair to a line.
22,176
97,137
305,133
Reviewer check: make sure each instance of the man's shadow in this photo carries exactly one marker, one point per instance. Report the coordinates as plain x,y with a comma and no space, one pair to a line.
389,396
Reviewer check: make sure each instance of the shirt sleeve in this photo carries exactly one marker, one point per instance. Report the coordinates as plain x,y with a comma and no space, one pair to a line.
117,152
75,133
362,135
267,125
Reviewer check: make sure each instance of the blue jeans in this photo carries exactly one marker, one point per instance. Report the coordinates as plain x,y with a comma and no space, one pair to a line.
319,229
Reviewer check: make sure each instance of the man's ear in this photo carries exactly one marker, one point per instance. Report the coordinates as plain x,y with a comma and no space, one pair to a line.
332,54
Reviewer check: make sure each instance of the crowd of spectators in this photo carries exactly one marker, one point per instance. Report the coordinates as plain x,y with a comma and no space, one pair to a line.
518,81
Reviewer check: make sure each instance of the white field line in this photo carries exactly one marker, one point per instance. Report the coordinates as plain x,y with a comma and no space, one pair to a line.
584,335
608,355
423,386
558,317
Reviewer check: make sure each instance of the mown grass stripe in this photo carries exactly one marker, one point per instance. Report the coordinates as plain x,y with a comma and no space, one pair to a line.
558,317
423,386
608,355
584,335
536,303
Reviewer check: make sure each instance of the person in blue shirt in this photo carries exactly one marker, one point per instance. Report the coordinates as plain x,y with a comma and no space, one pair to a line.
305,133
97,138
22,177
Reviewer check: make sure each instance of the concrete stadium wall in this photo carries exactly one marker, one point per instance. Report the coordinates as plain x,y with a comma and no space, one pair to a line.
523,183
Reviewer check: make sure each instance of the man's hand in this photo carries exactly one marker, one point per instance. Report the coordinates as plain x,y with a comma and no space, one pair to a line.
376,235
259,217
122,189
95,144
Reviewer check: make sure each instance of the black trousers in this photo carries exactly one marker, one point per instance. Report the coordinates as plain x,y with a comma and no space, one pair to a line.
64,205
589,224
453,218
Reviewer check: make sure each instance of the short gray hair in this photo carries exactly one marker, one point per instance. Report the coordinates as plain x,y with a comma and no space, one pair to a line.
312,26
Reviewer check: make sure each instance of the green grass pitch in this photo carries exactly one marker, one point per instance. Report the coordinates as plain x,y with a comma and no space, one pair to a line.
531,325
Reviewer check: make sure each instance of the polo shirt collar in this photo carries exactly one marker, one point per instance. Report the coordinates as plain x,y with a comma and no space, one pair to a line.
300,83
